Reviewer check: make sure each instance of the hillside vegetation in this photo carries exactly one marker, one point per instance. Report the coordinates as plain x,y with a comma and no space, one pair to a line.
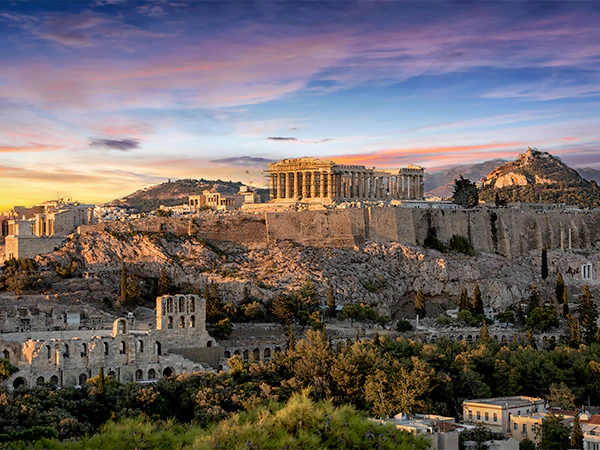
539,177
176,192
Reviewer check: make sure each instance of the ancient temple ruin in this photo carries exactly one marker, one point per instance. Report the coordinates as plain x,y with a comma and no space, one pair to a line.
314,180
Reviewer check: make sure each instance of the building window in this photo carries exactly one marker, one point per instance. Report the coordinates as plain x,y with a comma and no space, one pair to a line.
122,348
524,428
192,321
192,304
471,416
516,426
169,305
478,415
181,304
170,323
141,346
487,417
106,348
495,417
182,322
84,350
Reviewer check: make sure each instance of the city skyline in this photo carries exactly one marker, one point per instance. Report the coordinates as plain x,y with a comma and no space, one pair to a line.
101,98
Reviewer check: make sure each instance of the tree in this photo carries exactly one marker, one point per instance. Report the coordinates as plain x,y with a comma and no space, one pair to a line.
283,309
123,284
526,444
554,435
223,328
544,262
559,289
464,302
465,193
574,339
164,283
477,302
543,319
588,316
576,433
534,300
331,306
565,304
133,292
561,396
420,304
485,334
163,213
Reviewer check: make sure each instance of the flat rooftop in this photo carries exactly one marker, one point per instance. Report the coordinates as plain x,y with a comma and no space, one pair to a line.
504,401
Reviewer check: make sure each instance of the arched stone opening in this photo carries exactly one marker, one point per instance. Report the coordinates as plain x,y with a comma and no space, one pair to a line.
209,343
152,374
246,355
193,322
82,379
106,348
181,322
256,354
139,375
196,369
170,323
39,381
192,304
112,375
227,354
54,380
237,352
157,348
141,346
122,348
5,355
267,353
19,383
277,349
169,305
66,353
181,304
84,350
48,352
167,372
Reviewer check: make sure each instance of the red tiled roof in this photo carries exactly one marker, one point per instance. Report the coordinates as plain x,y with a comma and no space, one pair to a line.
594,420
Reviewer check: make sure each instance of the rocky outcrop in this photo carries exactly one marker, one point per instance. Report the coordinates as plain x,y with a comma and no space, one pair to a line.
382,274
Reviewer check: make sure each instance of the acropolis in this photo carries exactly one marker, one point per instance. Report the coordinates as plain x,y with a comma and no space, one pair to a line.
322,181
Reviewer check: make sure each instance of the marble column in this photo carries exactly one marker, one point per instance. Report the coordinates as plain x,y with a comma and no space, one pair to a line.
323,184
290,185
272,192
330,182
305,186
313,185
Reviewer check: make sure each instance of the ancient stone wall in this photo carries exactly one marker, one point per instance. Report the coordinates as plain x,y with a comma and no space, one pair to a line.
30,247
509,232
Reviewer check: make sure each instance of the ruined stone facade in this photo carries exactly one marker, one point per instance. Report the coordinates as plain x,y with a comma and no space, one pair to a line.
315,180
41,228
69,358
219,202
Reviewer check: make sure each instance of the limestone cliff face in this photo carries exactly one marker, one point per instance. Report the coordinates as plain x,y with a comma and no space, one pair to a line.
382,274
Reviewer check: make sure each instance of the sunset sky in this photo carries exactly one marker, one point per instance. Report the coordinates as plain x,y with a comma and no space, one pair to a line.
101,98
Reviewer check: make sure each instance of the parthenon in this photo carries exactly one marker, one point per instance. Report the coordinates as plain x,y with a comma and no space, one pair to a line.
314,180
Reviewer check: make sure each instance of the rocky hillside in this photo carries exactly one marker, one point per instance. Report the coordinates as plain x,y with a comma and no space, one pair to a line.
174,193
384,275
539,177
441,183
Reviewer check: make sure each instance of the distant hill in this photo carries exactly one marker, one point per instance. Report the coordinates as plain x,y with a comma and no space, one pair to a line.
589,174
539,177
441,183
176,193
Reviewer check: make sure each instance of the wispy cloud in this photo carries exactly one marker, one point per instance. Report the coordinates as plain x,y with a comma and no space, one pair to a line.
280,138
243,161
123,145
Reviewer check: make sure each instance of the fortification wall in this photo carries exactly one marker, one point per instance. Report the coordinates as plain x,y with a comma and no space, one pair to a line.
30,247
506,231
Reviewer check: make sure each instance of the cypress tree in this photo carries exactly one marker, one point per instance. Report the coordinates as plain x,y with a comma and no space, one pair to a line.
560,288
331,302
123,284
420,304
544,263
485,334
588,316
477,302
565,304
534,300
465,301
164,283
101,385
576,433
